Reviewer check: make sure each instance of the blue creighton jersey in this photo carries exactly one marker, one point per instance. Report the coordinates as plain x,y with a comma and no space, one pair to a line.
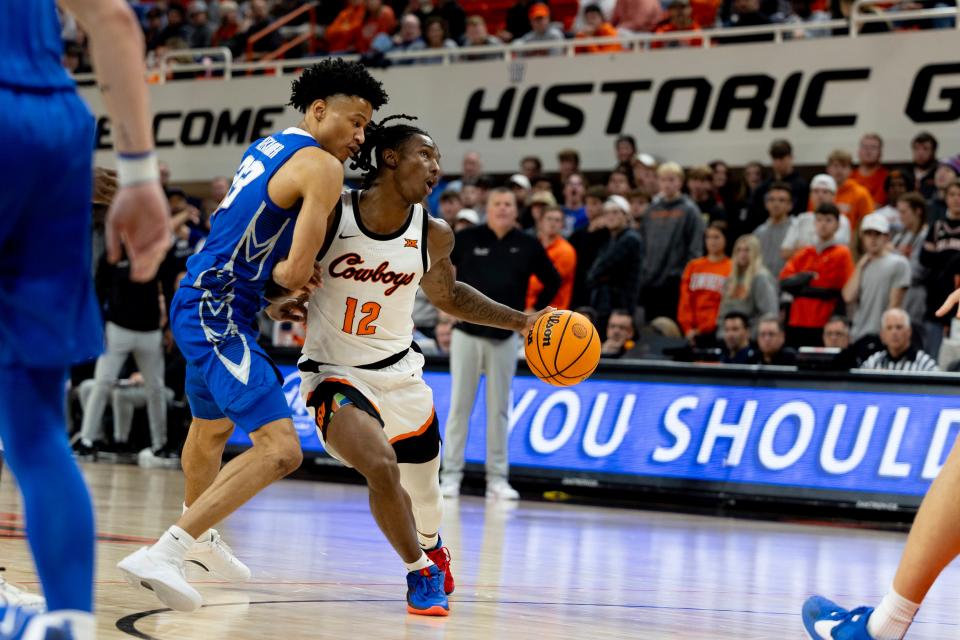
248,233
30,46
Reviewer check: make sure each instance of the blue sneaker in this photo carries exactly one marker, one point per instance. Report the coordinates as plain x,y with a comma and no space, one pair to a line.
826,620
14,620
425,596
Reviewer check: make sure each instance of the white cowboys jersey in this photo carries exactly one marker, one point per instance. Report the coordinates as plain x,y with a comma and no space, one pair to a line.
364,312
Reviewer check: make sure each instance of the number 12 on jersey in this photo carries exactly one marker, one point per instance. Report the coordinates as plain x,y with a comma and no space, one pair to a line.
370,311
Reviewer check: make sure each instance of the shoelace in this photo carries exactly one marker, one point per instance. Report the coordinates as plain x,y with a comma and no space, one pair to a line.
446,556
222,547
429,584
853,613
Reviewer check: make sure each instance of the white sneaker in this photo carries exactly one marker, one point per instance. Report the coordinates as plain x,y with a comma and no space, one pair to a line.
65,624
501,490
215,556
164,577
15,595
450,489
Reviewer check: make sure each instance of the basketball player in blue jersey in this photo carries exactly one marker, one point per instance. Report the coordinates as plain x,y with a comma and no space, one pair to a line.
933,543
49,317
361,373
269,227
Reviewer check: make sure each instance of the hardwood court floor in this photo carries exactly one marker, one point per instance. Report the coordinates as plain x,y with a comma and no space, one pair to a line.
533,570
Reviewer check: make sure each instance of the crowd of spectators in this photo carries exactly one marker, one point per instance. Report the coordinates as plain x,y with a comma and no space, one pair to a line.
374,28
716,264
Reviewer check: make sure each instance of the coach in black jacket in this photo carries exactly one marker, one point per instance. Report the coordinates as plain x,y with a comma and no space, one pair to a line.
497,259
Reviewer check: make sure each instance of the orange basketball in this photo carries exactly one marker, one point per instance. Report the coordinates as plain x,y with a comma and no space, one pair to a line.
563,348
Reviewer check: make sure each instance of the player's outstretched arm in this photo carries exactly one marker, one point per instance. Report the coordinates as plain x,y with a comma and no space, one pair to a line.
317,178
138,217
459,299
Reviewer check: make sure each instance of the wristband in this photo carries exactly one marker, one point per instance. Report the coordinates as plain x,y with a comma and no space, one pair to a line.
137,168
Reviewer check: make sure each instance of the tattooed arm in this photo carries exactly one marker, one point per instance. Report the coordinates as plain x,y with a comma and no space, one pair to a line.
459,299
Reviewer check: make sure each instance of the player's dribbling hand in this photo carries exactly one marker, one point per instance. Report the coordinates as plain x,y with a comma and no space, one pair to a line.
139,220
531,319
949,303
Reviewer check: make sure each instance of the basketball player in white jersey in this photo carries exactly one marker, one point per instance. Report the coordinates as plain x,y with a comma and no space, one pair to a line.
361,372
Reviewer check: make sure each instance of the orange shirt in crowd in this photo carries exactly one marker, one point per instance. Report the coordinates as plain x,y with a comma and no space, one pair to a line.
564,259
384,22
343,31
833,268
873,183
704,11
605,30
854,201
701,289
670,28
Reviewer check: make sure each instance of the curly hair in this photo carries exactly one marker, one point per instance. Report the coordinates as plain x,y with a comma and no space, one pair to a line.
335,76
379,138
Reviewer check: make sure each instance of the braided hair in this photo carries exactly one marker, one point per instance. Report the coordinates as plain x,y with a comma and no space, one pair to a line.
378,138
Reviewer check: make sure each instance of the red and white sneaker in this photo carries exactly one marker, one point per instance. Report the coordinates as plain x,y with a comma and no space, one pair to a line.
440,556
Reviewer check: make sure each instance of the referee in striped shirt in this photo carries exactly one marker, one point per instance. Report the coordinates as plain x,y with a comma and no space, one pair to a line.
898,353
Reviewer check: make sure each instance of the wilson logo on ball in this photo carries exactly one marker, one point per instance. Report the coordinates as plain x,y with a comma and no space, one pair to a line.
552,321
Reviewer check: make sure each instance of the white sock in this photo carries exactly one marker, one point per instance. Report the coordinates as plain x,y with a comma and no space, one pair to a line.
173,544
82,624
422,563
203,537
428,543
892,618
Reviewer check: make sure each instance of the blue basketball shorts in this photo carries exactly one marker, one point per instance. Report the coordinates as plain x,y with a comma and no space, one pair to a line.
228,373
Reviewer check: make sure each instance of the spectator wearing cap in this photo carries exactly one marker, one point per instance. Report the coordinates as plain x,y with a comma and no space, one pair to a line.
908,242
897,183
736,340
540,201
815,275
199,33
923,149
880,279
541,31
701,289
596,26
637,15
672,234
852,199
771,347
562,255
700,188
620,182
574,190
465,219
568,161
587,242
945,174
750,288
644,167
898,353
870,174
620,333
521,187
614,274
476,35
450,206
783,170
679,18
941,255
773,232
803,232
